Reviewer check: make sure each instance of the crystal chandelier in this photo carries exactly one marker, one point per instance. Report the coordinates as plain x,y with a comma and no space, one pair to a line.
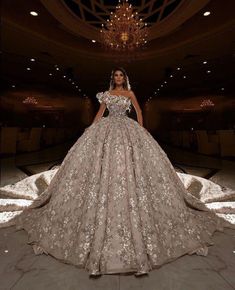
30,101
207,103
124,30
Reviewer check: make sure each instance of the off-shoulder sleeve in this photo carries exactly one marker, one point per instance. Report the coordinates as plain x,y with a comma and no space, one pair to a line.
100,97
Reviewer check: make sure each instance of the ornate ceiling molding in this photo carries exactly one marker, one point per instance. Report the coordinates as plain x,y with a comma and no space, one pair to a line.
12,27
84,18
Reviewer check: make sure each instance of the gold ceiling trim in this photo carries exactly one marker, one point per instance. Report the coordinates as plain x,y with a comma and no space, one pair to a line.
184,11
32,35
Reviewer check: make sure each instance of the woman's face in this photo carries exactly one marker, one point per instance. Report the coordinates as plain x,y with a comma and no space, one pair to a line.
118,77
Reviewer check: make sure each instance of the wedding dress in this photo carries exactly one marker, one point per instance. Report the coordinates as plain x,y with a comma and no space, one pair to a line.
116,203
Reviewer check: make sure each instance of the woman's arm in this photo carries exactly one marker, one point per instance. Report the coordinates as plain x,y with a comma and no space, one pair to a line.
137,108
100,112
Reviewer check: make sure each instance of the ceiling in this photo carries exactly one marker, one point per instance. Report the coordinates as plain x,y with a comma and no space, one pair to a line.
95,12
59,39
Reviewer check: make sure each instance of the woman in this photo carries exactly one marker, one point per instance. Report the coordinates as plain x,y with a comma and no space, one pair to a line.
116,203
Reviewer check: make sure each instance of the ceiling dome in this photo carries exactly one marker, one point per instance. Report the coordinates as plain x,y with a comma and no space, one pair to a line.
95,13
85,17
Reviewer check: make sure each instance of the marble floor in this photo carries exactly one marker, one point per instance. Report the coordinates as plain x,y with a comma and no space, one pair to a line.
21,269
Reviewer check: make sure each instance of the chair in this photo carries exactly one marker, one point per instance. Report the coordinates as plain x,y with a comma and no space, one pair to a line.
204,145
176,138
31,144
60,135
185,139
49,136
227,142
8,139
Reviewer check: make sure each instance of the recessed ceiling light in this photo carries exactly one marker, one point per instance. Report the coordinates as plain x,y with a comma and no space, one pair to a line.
50,74
222,89
93,40
161,85
28,68
69,80
207,13
33,13
158,89
79,90
76,87
32,59
208,71
178,68
72,83
64,76
184,77
171,76
205,62
13,86
165,82
57,68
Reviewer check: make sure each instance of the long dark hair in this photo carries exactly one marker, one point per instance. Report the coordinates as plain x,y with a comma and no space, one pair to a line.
112,83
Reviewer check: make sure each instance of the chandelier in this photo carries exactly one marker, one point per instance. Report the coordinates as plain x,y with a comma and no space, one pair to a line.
30,101
124,30
207,103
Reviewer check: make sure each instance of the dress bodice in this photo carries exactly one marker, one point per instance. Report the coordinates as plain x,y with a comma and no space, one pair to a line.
117,105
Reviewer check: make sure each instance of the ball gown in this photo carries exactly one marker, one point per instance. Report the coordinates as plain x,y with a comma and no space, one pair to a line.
116,203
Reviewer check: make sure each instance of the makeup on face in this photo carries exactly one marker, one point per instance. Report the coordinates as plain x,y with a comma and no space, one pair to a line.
118,77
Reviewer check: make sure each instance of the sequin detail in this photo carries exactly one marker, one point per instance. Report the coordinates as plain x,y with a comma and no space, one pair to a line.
116,203
117,105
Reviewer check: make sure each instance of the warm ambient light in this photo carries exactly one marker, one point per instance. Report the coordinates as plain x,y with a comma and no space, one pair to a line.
124,31
207,13
33,13
93,40
206,103
30,101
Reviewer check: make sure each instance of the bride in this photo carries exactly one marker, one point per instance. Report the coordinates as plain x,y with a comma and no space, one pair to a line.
116,203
